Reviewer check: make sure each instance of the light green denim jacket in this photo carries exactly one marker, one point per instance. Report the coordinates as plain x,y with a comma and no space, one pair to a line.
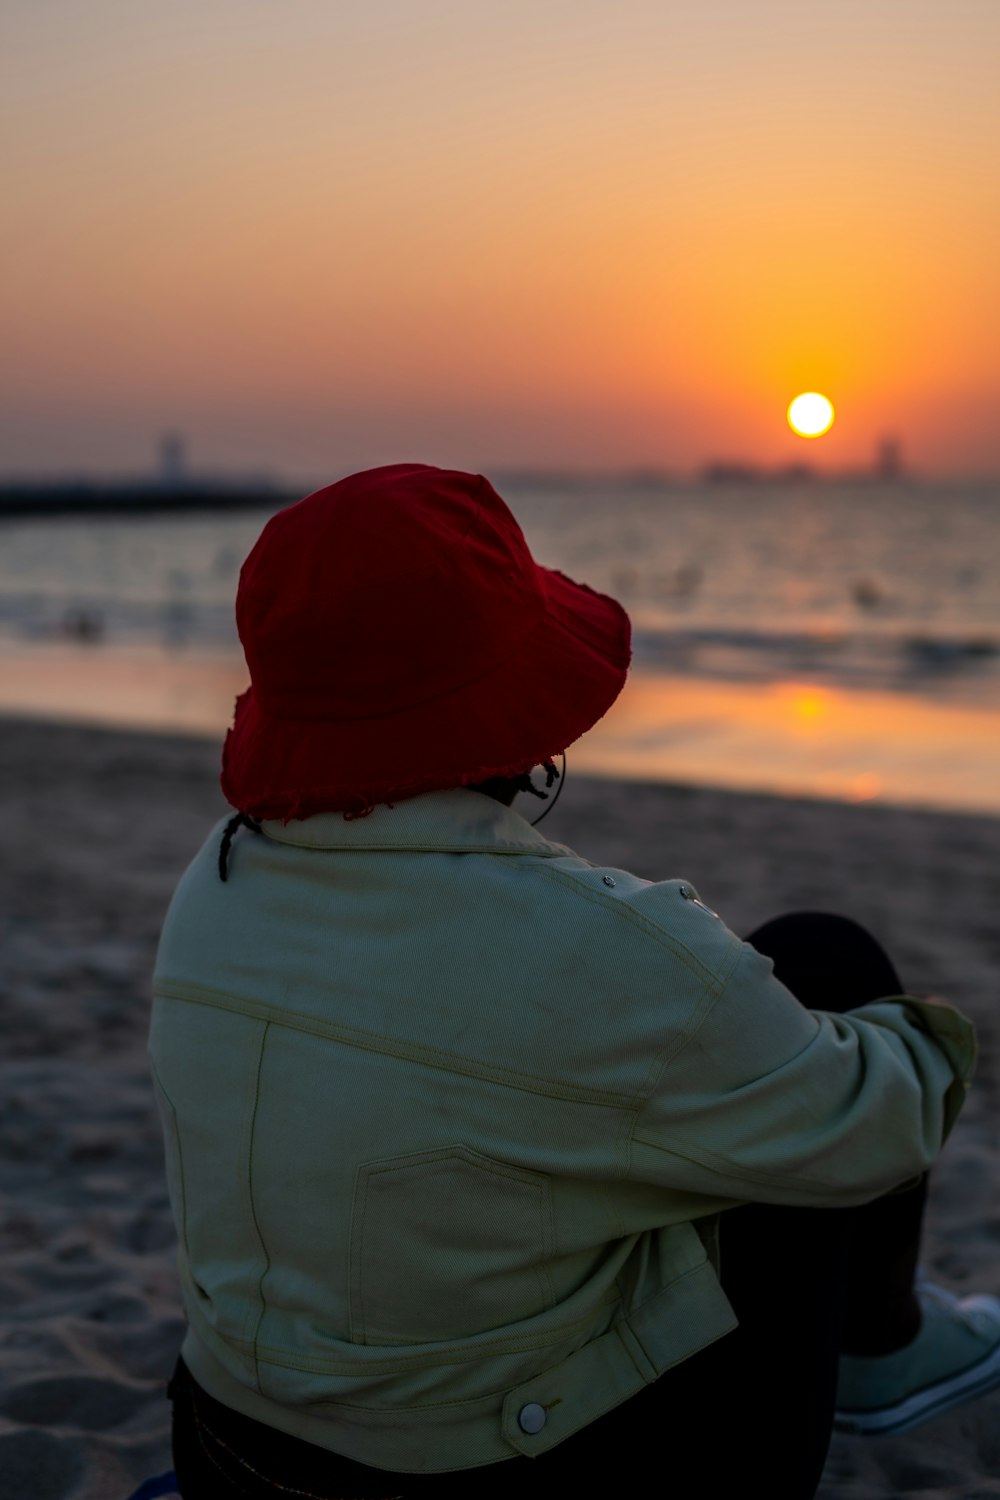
449,1113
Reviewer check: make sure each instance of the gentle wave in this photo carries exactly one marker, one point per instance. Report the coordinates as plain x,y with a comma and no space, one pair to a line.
853,657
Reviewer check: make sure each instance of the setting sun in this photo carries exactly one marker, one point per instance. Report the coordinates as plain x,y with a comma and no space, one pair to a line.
810,415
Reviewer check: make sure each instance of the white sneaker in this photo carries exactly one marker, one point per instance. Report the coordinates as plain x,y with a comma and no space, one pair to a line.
954,1357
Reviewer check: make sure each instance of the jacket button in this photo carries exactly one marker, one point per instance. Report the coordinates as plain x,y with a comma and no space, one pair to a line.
687,893
531,1418
608,879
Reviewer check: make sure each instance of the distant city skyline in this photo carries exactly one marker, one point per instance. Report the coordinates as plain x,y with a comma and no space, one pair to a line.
173,472
318,238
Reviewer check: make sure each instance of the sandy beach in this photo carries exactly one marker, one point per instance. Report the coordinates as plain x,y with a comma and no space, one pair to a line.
98,826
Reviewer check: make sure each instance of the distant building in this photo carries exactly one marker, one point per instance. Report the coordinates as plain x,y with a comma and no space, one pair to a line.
173,468
731,471
888,459
791,473
735,471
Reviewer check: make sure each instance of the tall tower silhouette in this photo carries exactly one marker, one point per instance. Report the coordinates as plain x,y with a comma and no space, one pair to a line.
173,469
888,459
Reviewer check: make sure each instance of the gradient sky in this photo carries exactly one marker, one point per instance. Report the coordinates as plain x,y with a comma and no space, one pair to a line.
313,236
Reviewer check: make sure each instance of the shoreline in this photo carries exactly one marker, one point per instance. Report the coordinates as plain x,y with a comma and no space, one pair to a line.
99,825
793,737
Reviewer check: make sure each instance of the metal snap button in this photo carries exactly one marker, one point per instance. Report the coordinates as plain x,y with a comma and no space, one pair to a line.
608,879
689,895
531,1418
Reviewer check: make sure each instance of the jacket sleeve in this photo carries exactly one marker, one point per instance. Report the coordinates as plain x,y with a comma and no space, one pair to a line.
770,1102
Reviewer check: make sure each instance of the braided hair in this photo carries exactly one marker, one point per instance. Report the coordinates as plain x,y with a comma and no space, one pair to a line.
227,838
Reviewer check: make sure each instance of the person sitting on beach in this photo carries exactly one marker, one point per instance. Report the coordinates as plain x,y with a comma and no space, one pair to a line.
496,1171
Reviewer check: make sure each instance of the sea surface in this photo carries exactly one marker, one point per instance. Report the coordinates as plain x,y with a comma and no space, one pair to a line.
830,638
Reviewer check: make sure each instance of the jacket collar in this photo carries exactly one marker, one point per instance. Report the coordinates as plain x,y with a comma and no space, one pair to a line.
456,820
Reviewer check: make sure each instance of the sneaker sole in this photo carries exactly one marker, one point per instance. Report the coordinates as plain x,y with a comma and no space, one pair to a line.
973,1381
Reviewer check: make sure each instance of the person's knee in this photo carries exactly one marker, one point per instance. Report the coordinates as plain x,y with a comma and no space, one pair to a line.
829,961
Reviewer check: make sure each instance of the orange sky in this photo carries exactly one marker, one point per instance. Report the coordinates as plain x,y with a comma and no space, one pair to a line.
543,233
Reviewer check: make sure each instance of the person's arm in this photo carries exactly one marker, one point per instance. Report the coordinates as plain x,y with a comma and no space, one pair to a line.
770,1102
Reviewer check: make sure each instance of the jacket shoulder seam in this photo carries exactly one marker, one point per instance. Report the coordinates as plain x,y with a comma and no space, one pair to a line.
713,978
419,1052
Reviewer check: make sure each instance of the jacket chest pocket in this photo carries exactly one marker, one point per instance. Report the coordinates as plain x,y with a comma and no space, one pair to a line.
446,1244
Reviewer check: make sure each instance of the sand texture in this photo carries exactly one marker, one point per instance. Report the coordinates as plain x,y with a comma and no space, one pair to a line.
97,827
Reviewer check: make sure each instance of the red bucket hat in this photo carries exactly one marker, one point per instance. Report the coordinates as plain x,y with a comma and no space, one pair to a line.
400,639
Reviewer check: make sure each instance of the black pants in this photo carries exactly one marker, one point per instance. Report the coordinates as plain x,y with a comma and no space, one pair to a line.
755,1406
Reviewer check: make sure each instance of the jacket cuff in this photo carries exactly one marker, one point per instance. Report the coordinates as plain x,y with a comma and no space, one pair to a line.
954,1035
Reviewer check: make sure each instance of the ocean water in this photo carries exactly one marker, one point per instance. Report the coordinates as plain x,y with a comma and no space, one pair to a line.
881,601
895,587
